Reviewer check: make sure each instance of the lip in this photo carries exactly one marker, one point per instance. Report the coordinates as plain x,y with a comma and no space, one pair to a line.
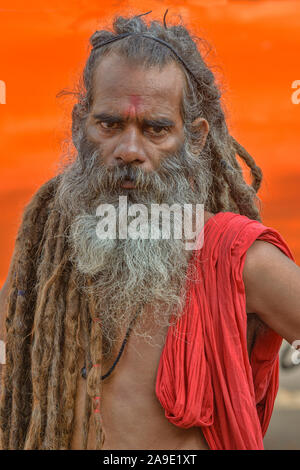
127,184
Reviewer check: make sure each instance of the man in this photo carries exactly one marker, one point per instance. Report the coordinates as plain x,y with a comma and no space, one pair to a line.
113,343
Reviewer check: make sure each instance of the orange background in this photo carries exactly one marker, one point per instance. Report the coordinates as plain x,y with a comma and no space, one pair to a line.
43,46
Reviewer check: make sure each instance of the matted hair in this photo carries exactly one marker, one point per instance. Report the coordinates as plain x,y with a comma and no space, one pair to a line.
49,321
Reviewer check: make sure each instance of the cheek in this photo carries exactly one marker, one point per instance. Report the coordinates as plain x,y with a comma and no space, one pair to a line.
99,142
172,144
92,133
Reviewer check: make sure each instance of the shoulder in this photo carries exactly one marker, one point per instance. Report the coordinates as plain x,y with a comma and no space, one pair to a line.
263,256
264,253
272,281
232,232
227,218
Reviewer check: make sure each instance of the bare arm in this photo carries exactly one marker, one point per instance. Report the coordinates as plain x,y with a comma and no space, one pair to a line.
272,288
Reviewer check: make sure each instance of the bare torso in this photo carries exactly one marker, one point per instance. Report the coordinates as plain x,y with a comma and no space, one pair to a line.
133,418
132,415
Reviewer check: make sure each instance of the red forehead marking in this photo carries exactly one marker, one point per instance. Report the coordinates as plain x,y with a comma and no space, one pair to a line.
135,100
131,110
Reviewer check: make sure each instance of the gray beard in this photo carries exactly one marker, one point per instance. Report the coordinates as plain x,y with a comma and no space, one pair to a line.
127,274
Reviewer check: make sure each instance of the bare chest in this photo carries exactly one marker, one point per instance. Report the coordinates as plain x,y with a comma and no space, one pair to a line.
132,416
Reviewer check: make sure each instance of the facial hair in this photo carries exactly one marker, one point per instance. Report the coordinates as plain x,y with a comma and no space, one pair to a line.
127,275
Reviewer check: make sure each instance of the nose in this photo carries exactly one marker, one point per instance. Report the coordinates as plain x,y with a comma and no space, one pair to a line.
130,148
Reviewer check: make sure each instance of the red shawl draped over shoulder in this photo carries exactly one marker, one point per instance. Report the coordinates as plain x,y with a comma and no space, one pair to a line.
204,376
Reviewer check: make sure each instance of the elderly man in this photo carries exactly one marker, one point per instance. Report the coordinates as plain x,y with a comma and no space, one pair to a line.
132,343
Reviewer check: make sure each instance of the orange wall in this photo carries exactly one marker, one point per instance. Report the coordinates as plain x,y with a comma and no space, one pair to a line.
43,46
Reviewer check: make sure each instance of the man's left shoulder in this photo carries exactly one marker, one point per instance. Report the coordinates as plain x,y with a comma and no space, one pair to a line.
262,258
272,283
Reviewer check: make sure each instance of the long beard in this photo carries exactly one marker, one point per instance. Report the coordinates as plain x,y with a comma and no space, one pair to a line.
130,275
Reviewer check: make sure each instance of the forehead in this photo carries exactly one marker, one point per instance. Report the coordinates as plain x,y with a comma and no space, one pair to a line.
119,82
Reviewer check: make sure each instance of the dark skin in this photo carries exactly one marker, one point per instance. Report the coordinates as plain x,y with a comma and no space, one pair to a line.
135,118
137,121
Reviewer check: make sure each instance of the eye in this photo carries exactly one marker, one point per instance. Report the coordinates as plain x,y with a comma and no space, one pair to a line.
158,130
108,125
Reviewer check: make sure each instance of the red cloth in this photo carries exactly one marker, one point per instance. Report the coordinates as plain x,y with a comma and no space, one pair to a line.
204,376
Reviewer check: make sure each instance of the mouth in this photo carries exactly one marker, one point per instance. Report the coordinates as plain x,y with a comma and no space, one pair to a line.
128,184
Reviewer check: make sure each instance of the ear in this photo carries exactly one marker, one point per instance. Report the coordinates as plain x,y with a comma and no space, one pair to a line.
200,127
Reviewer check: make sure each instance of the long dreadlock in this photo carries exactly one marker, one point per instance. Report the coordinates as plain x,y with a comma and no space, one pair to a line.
49,320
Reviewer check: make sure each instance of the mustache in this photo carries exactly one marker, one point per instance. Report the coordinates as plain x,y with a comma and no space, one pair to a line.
110,179
180,177
117,175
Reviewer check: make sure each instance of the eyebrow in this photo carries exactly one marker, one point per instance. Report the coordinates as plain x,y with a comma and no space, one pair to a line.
115,118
